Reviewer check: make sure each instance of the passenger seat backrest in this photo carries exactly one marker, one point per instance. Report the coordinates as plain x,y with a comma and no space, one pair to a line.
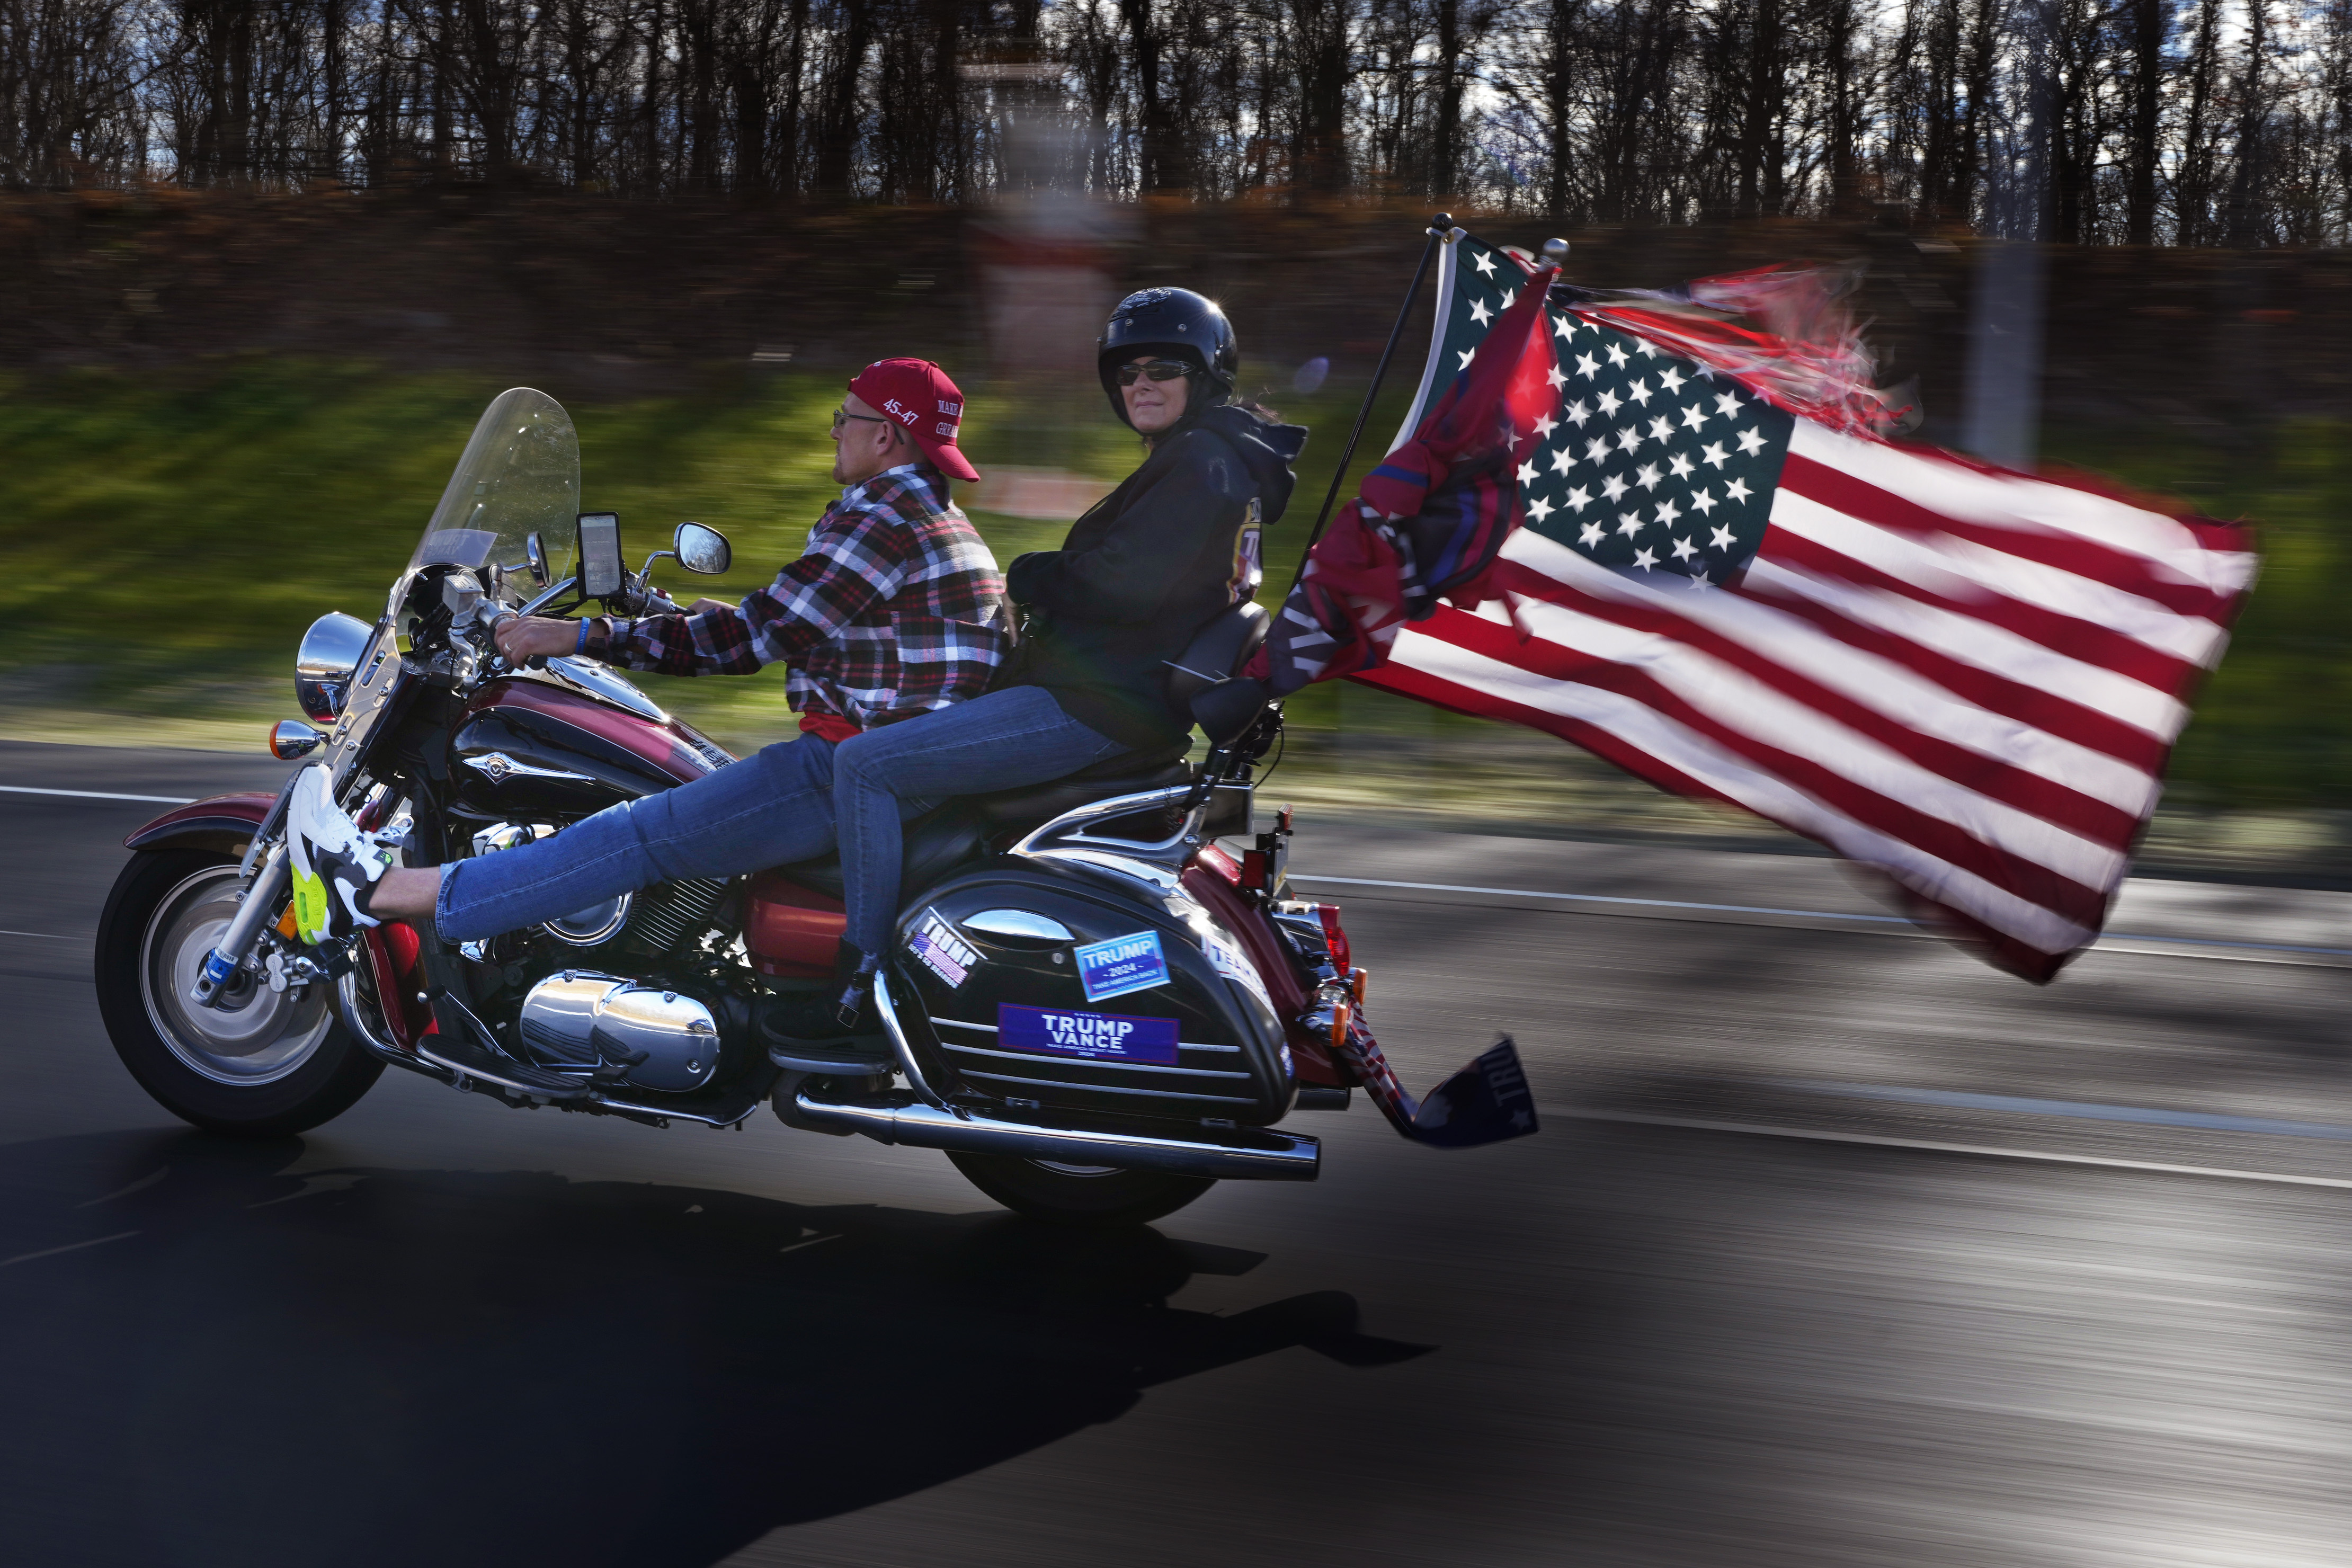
1216,652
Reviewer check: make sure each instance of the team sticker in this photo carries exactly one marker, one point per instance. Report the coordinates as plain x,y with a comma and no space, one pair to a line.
1228,961
1124,964
941,951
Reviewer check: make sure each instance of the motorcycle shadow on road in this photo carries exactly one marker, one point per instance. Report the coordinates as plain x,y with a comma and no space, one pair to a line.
208,1361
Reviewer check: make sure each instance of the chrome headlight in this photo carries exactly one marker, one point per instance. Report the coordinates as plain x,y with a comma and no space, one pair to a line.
325,663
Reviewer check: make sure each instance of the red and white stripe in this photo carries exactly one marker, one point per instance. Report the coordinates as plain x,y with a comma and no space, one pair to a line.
1966,676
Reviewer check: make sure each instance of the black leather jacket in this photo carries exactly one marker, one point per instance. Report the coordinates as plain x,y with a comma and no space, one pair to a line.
1175,545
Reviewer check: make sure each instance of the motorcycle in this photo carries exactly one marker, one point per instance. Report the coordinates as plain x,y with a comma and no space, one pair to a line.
1091,1005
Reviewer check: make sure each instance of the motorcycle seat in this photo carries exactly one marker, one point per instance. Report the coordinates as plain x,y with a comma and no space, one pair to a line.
960,829
1130,773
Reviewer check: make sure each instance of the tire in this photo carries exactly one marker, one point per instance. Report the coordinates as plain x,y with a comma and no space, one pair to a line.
1096,1197
265,1065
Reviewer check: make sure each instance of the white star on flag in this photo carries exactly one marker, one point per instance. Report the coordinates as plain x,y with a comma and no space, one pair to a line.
1661,429
1704,501
1647,476
1694,416
1713,454
1629,523
1680,466
1672,380
1546,425
1562,327
1528,472
1645,559
1592,534
1483,262
1669,513
1719,537
1640,393
1551,374
1616,354
1578,413
1610,404
1539,509
1578,499
1751,441
1479,314
1596,450
1737,489
1684,550
1560,461
1628,439
1613,487
1586,366
1727,405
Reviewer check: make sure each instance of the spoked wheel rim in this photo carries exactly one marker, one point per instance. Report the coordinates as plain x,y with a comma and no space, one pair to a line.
256,1036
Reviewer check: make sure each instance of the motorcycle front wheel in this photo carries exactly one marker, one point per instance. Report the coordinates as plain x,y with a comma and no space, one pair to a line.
264,1063
1097,1197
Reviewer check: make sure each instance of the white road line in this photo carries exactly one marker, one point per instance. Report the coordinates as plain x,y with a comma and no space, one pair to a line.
1907,927
98,794
1811,1136
73,1246
2075,1109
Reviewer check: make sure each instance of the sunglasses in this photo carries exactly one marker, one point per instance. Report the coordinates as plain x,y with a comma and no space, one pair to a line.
1157,370
842,416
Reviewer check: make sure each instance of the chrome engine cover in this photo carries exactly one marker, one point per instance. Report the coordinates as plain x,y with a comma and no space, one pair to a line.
579,1020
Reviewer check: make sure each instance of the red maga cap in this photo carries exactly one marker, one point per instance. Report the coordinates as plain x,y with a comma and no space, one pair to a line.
918,396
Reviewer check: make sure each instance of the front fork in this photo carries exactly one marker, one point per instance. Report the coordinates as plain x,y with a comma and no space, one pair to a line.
221,964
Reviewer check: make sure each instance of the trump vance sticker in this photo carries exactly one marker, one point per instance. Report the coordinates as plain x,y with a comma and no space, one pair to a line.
1122,965
1102,1037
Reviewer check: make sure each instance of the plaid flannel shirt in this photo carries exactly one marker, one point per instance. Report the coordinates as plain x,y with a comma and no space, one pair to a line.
897,608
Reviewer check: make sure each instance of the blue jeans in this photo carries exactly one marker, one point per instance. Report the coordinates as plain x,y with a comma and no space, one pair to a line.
1019,736
770,809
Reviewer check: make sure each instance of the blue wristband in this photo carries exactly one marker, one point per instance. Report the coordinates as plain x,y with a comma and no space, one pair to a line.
581,645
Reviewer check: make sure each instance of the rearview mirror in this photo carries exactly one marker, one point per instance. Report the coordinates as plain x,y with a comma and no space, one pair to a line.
534,549
702,551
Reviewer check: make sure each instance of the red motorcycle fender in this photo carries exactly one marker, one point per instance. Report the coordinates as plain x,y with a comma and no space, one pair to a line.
224,823
1213,880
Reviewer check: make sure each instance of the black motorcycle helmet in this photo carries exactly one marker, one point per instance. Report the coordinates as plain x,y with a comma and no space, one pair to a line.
1180,324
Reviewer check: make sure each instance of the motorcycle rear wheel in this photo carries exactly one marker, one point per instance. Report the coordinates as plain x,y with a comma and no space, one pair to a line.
1096,1197
265,1063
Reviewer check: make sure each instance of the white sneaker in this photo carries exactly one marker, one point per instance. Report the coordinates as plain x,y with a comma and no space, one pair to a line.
335,860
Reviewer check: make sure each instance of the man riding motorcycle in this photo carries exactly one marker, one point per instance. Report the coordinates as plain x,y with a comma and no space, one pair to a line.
1176,545
897,609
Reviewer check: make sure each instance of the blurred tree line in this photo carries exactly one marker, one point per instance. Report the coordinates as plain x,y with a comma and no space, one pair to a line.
2138,121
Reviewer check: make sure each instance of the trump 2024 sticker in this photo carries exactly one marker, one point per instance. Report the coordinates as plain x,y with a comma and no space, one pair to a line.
1122,965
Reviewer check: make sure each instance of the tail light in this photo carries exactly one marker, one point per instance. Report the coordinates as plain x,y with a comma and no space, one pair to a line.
1335,938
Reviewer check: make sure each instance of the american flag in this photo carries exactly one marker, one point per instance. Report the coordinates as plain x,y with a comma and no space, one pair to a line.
1968,678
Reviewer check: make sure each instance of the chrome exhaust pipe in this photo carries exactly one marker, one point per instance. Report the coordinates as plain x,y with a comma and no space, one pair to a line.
1226,1153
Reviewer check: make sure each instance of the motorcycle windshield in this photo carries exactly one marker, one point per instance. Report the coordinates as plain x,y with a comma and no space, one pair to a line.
519,475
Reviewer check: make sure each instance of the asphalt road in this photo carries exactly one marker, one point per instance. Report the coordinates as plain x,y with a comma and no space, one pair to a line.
1837,1247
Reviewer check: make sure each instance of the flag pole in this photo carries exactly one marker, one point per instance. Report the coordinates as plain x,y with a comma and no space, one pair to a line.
1439,226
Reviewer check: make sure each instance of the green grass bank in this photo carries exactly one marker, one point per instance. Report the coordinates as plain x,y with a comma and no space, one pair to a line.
169,536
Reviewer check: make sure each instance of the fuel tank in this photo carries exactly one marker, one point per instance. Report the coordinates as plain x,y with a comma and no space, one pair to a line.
1050,985
538,749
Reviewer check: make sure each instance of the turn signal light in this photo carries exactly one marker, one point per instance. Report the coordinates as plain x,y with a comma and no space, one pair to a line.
290,739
